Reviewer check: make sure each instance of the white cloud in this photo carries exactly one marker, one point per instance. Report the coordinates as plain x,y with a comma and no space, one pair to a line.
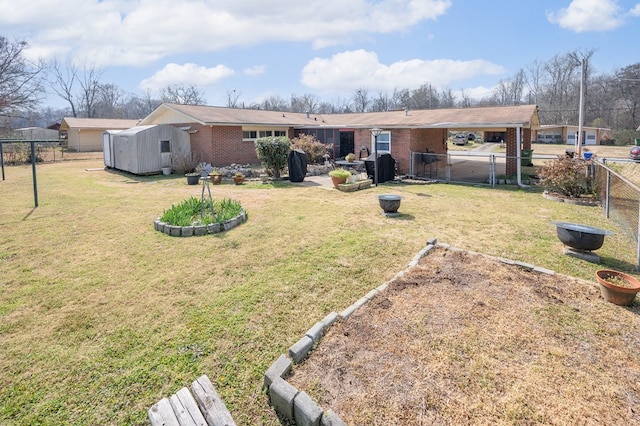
588,15
256,70
347,71
139,32
187,74
635,11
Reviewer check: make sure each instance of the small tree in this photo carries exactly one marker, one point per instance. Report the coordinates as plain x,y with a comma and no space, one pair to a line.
314,149
567,176
273,153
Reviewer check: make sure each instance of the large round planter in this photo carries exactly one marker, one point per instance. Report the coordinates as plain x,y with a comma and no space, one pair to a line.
216,179
389,203
238,180
166,171
192,179
613,293
580,237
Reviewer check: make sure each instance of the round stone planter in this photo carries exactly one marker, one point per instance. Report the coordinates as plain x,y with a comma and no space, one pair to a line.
389,203
199,230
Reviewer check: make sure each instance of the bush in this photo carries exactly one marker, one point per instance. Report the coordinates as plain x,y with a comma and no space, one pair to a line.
567,176
340,173
625,137
314,149
273,152
186,163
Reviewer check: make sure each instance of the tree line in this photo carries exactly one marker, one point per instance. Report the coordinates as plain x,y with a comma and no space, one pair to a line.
610,99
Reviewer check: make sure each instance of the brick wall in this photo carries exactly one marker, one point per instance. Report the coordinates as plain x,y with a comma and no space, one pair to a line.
435,140
223,145
400,143
511,142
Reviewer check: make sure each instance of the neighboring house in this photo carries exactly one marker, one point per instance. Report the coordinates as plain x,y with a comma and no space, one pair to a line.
226,135
85,134
566,134
145,150
37,134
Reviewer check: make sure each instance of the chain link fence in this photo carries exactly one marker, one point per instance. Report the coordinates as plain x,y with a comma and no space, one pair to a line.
620,199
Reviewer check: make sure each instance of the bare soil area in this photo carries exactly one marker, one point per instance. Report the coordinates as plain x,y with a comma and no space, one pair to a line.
465,339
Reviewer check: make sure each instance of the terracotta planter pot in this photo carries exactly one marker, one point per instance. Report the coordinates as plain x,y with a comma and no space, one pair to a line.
613,293
216,179
238,180
338,180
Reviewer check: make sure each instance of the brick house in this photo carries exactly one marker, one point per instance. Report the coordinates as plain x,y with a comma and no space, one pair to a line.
226,135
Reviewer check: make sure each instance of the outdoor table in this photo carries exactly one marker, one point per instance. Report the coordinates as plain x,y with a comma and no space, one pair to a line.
356,164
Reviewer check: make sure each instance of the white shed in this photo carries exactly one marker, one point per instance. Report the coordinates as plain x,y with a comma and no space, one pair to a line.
145,150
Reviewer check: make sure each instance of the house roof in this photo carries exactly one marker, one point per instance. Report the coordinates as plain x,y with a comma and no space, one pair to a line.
463,118
96,123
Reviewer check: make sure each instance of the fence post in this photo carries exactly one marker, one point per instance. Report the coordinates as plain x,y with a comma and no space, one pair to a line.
607,195
638,243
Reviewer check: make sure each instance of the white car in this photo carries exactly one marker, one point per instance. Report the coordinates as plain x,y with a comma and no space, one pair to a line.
460,139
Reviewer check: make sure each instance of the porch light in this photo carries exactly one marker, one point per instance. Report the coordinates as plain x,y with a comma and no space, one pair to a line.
375,132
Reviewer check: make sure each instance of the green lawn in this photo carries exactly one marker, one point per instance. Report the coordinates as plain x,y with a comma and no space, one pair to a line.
101,316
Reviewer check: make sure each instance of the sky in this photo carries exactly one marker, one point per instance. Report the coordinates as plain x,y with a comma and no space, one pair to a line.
328,48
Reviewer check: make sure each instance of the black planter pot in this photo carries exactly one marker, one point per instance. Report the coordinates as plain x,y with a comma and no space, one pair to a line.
389,203
580,237
192,179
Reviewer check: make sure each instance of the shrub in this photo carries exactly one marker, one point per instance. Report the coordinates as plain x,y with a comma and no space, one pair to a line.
314,149
194,211
186,163
625,137
340,173
567,176
273,153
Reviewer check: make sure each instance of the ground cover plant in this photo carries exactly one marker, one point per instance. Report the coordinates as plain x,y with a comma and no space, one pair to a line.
101,316
196,211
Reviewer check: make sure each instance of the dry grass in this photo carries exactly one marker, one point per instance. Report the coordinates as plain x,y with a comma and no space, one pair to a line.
462,339
101,316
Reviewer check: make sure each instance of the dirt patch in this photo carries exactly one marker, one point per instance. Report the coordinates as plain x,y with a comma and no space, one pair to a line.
463,339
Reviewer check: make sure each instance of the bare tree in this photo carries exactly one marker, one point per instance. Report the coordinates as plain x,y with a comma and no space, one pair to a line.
361,100
20,80
305,103
185,95
382,102
627,87
400,98
111,101
90,89
64,78
232,98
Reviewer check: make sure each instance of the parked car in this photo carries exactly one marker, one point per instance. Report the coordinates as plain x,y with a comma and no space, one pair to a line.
634,154
471,137
460,139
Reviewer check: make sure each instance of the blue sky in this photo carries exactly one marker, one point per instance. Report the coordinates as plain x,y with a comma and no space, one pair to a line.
329,48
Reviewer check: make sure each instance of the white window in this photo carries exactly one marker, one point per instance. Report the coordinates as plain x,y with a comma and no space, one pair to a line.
251,134
384,142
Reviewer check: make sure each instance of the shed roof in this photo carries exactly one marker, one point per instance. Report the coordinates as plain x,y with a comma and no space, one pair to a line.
96,123
509,116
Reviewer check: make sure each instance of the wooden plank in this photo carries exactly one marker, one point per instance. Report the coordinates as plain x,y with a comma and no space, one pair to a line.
190,405
210,403
161,414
